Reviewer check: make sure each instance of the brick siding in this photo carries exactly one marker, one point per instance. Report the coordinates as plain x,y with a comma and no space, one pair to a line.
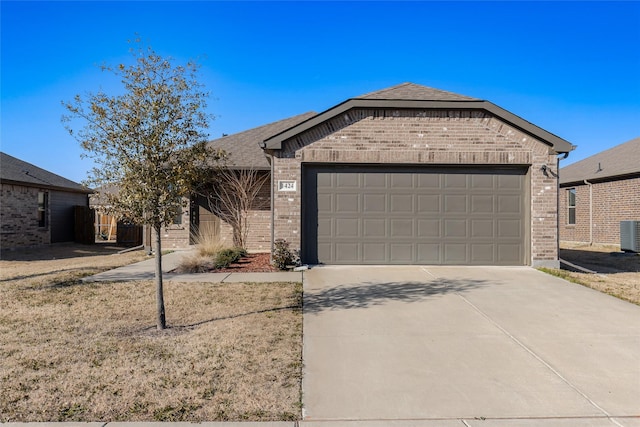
259,225
19,219
420,137
613,201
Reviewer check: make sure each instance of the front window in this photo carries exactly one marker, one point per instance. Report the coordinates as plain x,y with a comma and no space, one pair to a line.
42,208
177,220
571,205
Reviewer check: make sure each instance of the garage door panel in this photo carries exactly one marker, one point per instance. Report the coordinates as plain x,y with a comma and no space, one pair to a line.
483,203
482,253
511,204
325,203
413,215
347,180
429,253
509,254
374,180
325,251
402,203
455,253
348,252
374,227
454,228
428,203
485,182
347,227
429,181
347,203
508,228
325,228
429,228
402,180
324,180
401,253
455,181
374,202
482,228
375,252
510,181
401,228
455,203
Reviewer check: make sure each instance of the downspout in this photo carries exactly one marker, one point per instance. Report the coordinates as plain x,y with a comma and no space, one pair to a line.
564,156
270,157
590,212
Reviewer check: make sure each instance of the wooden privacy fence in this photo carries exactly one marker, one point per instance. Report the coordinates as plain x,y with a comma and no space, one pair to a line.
84,218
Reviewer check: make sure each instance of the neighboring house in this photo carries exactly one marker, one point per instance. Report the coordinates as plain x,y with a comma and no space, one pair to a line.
598,192
38,207
410,175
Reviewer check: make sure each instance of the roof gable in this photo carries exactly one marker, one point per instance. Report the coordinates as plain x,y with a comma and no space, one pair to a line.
18,171
623,159
413,96
243,148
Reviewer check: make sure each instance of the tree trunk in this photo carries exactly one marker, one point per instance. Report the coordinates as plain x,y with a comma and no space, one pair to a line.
161,321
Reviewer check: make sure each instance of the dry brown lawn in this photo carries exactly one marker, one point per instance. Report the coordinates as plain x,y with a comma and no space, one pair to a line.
615,274
74,351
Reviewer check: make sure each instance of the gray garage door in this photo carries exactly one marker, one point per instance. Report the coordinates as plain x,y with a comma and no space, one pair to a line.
382,215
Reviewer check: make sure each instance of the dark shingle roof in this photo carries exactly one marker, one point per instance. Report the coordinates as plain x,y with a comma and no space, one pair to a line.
412,91
13,170
243,148
623,159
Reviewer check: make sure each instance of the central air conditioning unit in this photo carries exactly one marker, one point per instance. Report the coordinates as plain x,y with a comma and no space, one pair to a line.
630,236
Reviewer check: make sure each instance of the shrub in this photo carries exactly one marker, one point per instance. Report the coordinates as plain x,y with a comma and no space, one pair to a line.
194,263
283,256
226,257
207,241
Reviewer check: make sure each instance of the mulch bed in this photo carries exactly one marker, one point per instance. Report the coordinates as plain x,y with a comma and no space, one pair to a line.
252,263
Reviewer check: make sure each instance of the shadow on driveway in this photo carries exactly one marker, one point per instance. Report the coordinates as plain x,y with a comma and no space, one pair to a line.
368,294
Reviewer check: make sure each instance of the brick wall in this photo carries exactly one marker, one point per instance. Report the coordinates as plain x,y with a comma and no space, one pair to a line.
259,223
19,219
420,137
613,201
259,235
176,236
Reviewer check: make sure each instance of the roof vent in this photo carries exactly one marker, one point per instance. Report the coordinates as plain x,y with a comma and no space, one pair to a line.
599,168
630,236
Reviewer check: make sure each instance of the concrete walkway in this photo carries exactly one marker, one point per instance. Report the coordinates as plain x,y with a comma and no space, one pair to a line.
483,346
145,270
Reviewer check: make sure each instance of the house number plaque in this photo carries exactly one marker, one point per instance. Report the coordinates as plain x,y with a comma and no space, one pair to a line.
287,185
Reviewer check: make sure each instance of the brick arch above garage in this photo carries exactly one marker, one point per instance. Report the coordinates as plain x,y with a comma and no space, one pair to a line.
415,136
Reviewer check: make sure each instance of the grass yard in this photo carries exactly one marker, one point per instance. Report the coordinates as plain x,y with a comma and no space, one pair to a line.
90,352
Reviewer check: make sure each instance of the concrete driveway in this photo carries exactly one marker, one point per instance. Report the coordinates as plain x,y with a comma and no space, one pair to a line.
468,346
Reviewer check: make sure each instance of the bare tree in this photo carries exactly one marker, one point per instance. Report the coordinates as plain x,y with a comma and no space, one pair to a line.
233,197
149,141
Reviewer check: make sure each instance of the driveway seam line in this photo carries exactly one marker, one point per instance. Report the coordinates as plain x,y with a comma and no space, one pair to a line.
225,278
538,358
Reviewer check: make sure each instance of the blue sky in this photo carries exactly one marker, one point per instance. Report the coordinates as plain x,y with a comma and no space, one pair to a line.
570,67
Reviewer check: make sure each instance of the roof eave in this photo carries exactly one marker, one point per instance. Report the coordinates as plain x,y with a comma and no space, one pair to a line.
47,186
595,180
558,144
